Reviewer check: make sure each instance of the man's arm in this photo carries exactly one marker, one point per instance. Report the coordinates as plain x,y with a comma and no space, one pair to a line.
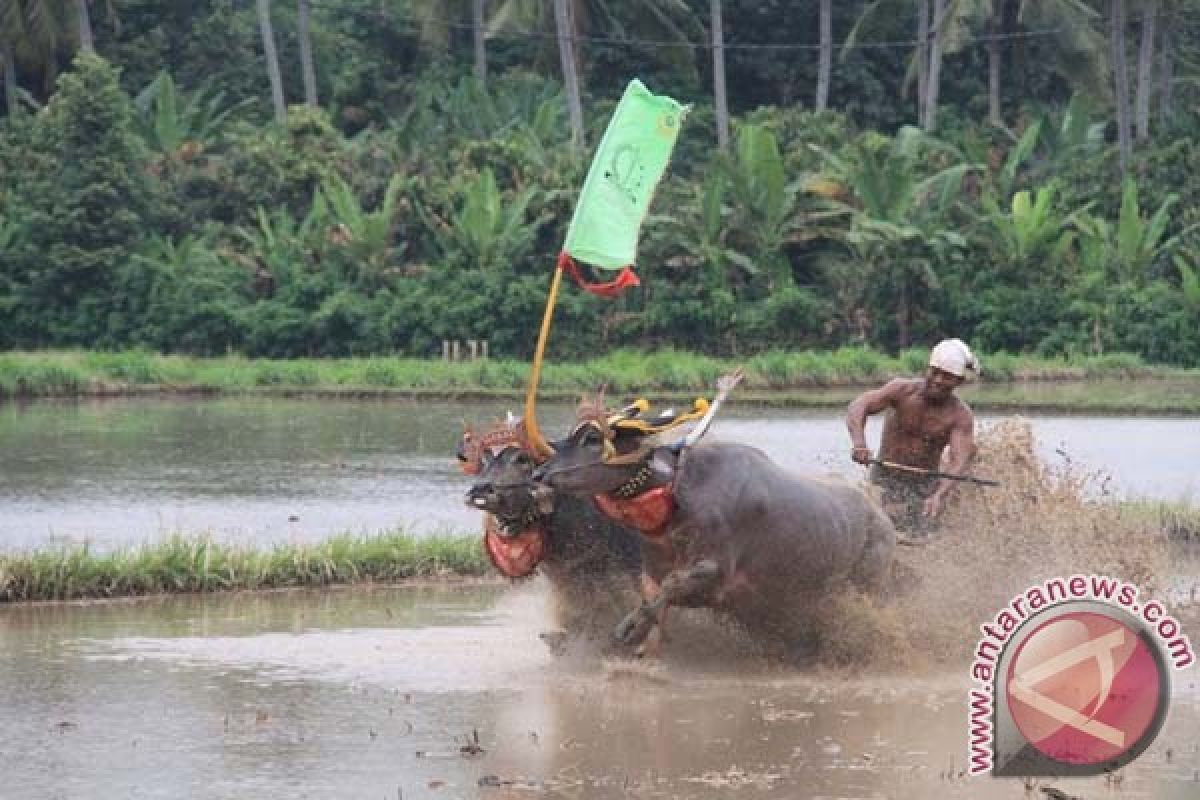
960,451
863,406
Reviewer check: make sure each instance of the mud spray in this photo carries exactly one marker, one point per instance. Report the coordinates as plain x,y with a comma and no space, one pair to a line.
992,543
1044,521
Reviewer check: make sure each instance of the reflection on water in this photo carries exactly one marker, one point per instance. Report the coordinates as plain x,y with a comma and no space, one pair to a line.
381,694
271,469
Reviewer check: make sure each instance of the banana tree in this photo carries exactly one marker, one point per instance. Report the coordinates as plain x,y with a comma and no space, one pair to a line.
1033,230
1014,297
899,216
360,241
489,230
1128,250
1189,281
1119,258
172,120
701,235
275,251
764,219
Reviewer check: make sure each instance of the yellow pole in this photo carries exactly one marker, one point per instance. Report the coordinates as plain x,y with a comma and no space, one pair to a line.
531,427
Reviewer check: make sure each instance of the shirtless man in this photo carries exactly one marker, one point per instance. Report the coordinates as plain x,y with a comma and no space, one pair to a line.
924,417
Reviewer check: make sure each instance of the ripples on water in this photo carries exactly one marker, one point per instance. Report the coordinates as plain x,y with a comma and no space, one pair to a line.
375,694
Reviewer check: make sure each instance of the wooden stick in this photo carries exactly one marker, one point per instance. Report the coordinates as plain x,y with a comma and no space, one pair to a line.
933,473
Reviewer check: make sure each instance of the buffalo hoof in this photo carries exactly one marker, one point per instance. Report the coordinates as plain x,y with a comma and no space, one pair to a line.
635,627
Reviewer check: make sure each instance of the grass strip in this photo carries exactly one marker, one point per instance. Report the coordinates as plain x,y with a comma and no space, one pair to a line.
69,373
200,564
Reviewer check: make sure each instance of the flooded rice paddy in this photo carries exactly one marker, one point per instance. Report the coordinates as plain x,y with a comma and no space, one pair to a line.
449,692
258,470
446,692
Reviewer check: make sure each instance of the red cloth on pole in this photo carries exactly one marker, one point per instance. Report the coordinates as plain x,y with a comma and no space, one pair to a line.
625,278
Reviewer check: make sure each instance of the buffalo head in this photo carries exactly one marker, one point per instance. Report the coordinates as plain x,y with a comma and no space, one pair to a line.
504,487
586,462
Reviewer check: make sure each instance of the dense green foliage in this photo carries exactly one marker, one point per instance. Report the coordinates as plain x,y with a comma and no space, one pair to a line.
153,203
199,564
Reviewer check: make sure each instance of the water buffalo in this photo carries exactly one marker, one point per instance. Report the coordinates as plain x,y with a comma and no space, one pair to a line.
724,527
592,562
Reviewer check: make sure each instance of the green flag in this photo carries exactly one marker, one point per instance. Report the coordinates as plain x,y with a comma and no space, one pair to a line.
625,171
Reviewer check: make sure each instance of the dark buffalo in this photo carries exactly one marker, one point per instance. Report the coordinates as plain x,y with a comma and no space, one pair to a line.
592,562
726,528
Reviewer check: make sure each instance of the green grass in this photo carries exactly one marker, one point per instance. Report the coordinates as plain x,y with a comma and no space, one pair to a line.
68,373
199,564
1180,521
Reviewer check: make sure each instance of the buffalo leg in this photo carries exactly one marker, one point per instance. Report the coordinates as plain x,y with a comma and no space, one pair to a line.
679,586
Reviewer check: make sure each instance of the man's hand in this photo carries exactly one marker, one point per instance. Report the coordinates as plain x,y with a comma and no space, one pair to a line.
933,505
861,455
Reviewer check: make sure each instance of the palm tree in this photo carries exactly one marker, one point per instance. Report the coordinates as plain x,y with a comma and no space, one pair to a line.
719,98
922,56
1145,85
436,17
1078,44
565,31
1120,81
825,63
663,19
945,32
83,23
9,63
30,31
934,75
478,29
303,15
272,58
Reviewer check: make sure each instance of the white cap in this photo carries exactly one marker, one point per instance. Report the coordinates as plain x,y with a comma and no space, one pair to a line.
953,356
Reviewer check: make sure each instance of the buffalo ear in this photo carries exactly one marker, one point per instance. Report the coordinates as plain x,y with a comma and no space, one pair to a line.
485,458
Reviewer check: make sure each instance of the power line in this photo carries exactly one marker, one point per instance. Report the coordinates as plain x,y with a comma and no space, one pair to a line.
511,33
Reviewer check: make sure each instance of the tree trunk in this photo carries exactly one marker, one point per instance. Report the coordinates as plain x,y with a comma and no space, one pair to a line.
904,316
1166,76
83,20
477,31
922,56
825,66
566,53
272,57
1145,69
718,45
1120,80
306,56
934,78
10,79
995,55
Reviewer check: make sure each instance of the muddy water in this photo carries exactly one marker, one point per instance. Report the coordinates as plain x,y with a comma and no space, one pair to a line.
376,695
262,469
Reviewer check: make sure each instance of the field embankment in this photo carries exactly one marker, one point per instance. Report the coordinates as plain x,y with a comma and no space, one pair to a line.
1111,383
200,564
184,564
